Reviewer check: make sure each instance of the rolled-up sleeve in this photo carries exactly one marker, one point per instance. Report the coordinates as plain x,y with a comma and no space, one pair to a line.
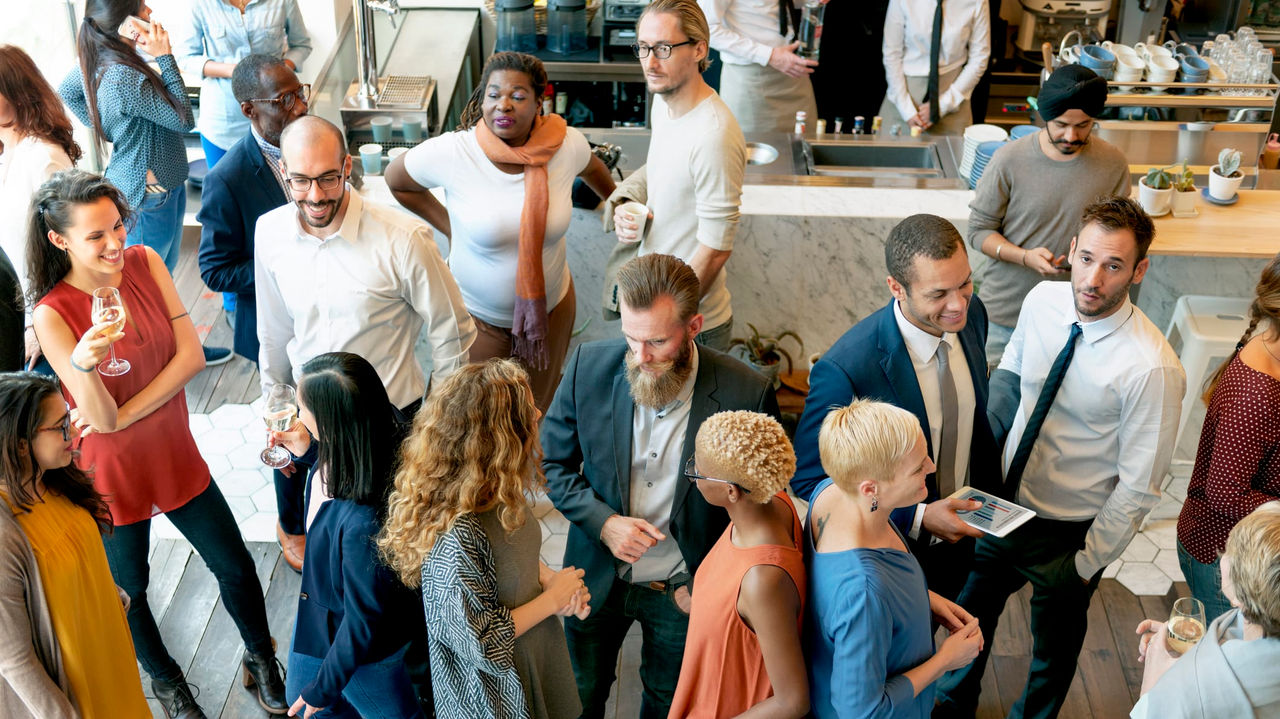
718,167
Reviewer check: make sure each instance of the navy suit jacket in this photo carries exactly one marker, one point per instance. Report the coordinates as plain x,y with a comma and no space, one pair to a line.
871,361
586,452
237,191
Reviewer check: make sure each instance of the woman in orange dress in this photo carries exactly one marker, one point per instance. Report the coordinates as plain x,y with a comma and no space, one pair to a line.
64,644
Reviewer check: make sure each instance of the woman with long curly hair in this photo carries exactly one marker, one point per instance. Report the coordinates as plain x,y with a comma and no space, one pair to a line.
64,644
460,526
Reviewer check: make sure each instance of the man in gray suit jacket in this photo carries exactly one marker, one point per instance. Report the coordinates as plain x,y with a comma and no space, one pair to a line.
615,443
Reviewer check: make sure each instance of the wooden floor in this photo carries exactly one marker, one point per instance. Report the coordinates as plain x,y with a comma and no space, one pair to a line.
201,636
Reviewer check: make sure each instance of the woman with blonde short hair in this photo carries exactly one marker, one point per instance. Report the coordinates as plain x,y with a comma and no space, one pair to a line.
867,629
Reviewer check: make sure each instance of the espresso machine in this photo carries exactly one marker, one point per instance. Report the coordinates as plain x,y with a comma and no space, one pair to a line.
1050,21
618,30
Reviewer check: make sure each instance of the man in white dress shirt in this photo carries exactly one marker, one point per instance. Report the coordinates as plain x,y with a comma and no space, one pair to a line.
1090,393
337,273
763,81
964,46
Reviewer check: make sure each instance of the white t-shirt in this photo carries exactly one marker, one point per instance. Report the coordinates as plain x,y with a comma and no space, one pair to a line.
484,213
23,169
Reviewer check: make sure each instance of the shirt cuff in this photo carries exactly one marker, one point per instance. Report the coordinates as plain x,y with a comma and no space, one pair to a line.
1084,567
917,522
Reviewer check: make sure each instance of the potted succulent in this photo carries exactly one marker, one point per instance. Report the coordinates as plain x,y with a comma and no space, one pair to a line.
1184,192
1225,177
765,354
1155,190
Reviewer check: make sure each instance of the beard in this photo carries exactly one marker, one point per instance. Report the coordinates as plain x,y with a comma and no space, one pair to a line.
659,391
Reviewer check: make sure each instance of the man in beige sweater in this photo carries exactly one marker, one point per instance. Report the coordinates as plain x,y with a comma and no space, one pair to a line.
697,159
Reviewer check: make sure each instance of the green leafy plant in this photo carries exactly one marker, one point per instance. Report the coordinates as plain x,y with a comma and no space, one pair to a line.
766,351
1159,178
1184,181
1229,162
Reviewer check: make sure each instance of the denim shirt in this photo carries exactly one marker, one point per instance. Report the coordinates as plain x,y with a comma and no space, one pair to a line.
220,33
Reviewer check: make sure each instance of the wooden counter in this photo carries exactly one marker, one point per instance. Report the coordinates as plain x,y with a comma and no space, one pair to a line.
1250,228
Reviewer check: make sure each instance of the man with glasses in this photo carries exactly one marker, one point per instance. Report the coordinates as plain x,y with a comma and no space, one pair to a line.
697,159
246,184
615,443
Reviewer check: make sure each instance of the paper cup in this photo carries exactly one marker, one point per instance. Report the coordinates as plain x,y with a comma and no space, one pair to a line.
381,128
371,158
639,214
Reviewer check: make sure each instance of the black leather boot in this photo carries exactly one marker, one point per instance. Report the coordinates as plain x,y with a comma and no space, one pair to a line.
262,675
176,699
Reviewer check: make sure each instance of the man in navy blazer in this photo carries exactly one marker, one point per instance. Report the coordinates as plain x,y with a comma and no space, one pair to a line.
923,352
615,442
246,184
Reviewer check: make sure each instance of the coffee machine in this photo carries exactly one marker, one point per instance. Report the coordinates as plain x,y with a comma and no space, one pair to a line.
1050,20
618,30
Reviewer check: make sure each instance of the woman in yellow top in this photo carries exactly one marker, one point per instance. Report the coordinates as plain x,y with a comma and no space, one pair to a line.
65,649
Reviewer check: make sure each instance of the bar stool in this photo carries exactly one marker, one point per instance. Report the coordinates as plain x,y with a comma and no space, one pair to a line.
1203,332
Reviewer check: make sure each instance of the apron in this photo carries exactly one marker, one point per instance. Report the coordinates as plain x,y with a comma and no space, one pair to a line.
765,100
953,123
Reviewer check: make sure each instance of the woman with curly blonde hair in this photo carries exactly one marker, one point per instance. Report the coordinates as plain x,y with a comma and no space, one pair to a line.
460,526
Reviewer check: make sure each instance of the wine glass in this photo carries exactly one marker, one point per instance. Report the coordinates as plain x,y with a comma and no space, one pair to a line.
279,412
107,307
1186,625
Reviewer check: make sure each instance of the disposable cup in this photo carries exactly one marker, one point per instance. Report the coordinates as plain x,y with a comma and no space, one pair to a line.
371,158
639,214
381,128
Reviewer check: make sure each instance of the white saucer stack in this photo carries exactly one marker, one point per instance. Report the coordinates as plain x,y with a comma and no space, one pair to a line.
975,135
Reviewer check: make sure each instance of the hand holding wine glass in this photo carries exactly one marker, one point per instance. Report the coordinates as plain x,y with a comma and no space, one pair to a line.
280,412
108,310
1186,625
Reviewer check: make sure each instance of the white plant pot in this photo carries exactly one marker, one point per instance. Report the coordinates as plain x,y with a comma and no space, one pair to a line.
1155,202
1223,188
1184,204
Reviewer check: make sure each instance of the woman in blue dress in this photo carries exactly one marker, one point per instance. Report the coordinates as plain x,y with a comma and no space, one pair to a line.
868,633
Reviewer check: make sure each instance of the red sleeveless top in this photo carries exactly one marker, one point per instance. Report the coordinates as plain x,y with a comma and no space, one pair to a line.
153,465
723,673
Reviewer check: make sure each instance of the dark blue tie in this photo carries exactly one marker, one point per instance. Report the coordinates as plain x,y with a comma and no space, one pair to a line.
1013,478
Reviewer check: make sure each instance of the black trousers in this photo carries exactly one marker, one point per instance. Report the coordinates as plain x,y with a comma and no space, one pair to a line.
1042,552
946,566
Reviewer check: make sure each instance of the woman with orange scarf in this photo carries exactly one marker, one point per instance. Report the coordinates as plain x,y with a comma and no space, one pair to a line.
508,176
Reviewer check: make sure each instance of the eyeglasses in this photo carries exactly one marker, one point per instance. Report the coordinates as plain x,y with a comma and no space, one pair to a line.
327,182
64,427
662,50
287,100
691,473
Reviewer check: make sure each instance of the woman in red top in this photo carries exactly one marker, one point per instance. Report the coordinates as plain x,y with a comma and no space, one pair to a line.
743,646
134,427
1237,465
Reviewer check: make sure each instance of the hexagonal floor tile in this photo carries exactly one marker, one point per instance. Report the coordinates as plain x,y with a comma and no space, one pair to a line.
219,442
232,416
246,456
1112,569
218,465
241,508
1140,549
241,483
1143,578
1167,562
556,522
1162,533
553,550
199,424
259,527
265,499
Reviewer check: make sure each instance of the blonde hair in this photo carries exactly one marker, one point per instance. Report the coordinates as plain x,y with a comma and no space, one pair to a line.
865,440
1254,550
693,23
643,280
474,447
751,448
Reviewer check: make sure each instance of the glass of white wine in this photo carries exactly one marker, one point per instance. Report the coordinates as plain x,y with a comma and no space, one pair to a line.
1186,625
108,307
279,412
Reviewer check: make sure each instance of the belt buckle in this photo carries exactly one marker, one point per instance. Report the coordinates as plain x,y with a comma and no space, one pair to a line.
658,586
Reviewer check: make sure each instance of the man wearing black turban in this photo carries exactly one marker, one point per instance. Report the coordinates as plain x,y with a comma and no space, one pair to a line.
1028,203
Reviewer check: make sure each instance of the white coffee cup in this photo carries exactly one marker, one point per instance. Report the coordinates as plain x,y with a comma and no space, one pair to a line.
639,214
1146,52
1161,69
1129,68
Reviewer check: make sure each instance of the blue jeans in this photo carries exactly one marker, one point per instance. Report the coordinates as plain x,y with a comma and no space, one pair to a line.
717,338
1205,581
594,644
157,223
376,691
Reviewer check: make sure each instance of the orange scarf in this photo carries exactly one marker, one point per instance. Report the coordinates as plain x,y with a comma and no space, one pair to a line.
529,324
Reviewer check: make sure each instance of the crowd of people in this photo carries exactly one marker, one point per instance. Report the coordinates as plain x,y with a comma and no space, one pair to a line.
407,501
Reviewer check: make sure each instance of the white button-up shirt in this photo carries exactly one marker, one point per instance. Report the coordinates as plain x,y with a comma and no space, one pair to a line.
367,289
1107,440
908,40
657,443
745,31
922,347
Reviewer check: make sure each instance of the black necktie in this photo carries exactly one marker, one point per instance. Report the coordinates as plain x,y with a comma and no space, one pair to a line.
935,50
1013,478
787,13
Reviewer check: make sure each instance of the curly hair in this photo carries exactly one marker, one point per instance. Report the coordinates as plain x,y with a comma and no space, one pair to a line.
474,447
751,449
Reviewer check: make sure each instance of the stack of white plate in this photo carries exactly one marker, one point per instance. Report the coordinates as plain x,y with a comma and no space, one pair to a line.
975,135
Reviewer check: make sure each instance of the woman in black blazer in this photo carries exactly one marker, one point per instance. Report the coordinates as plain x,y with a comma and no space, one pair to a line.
354,615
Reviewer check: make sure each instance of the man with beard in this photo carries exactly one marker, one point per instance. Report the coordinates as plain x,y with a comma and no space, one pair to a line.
336,273
1027,205
615,442
1089,393
924,353
697,157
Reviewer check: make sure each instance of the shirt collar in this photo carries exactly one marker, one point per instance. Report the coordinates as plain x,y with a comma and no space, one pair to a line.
271,151
350,228
1097,330
922,345
686,391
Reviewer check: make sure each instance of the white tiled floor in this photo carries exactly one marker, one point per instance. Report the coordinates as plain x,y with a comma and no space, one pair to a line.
232,436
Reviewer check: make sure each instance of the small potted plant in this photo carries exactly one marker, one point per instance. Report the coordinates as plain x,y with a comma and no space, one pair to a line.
1184,192
1225,177
765,354
1155,190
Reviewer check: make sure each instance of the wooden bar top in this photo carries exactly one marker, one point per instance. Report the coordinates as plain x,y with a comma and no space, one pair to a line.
1250,228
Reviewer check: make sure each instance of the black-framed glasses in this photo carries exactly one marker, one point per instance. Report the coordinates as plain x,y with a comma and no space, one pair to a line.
287,100
64,427
328,181
662,50
691,473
